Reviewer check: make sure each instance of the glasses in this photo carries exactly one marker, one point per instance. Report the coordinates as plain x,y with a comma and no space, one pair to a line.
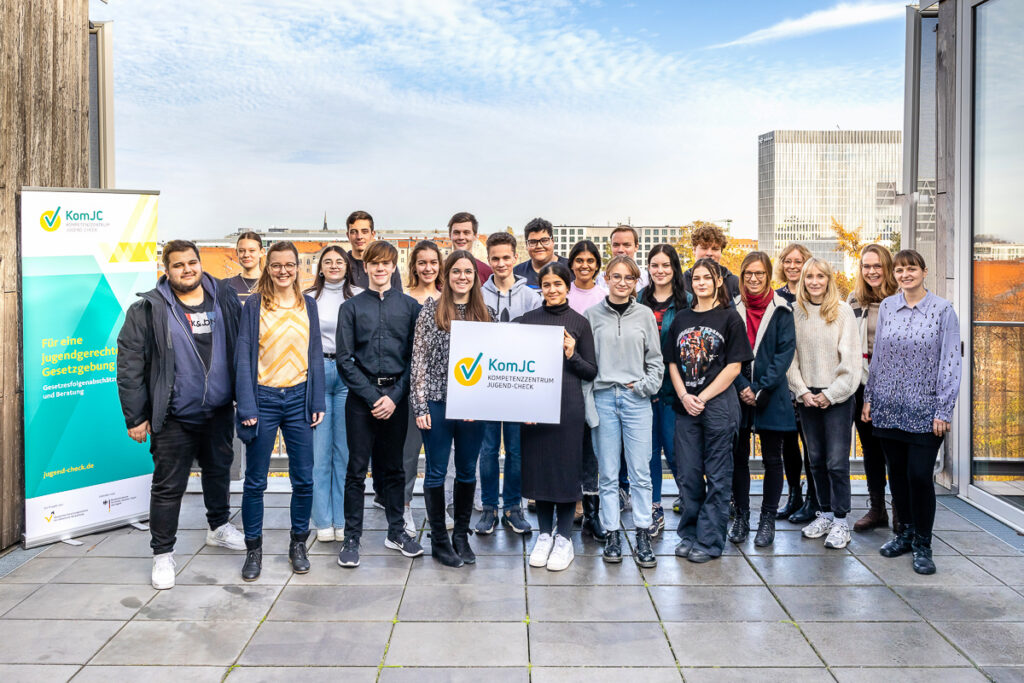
749,275
876,266
543,242
628,279
278,267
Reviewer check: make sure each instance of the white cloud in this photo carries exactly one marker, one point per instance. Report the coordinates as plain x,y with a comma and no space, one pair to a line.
842,15
262,113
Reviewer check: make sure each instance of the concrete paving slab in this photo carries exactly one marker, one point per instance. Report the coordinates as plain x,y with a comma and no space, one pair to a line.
150,674
38,641
67,601
448,644
590,603
907,675
716,603
288,643
965,603
110,570
13,593
844,603
988,644
826,570
626,644
952,571
725,571
337,603
977,543
1007,569
215,570
463,603
177,643
39,570
414,674
373,570
248,603
488,570
603,675
740,644
305,674
881,644
587,571
734,675
36,673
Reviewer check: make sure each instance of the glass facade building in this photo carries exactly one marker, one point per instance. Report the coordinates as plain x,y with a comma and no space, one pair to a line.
808,177
963,113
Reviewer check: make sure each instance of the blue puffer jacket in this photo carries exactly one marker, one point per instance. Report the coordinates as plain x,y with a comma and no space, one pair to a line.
774,347
247,367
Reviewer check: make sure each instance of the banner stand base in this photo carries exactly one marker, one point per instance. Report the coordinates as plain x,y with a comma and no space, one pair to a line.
27,543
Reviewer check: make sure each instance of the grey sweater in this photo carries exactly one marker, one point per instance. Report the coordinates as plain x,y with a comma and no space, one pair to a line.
628,348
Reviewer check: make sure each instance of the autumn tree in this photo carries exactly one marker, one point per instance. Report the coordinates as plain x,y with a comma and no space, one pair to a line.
850,243
732,256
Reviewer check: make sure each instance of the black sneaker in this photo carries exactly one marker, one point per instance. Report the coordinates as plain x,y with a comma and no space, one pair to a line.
378,502
613,548
657,520
405,544
349,555
513,519
488,521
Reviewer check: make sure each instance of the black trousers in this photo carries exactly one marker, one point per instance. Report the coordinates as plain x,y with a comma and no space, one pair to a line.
771,456
793,461
380,444
871,447
911,481
173,450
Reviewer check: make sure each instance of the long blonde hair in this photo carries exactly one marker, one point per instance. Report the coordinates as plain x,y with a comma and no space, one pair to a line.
864,293
830,302
265,285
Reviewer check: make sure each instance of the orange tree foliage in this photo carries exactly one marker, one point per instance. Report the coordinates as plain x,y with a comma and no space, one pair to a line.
850,243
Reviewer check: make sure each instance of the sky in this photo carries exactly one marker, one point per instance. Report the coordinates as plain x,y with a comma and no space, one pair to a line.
259,113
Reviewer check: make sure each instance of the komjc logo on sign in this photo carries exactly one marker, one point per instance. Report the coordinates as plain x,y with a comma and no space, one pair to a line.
50,220
468,371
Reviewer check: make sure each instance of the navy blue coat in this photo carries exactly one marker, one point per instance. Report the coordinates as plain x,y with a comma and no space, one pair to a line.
774,348
247,367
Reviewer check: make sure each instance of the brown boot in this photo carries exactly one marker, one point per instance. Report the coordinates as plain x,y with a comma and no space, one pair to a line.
875,518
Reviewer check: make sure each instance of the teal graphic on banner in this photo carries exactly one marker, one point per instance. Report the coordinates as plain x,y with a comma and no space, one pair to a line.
84,256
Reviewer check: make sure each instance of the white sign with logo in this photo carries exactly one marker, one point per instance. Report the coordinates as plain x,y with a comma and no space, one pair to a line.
505,372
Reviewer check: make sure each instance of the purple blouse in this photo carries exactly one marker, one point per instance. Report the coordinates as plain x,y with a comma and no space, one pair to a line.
915,370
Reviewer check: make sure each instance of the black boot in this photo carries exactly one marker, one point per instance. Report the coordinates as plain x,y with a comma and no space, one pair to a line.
253,559
793,503
808,511
644,554
900,544
440,545
613,547
592,517
740,526
765,529
297,553
464,491
922,546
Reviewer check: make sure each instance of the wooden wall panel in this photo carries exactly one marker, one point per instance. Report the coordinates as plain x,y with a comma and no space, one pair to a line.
44,119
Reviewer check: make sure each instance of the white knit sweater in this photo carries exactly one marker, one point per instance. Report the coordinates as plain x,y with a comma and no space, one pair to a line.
828,356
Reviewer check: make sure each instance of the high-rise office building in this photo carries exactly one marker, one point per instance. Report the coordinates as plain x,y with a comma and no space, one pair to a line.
808,177
567,235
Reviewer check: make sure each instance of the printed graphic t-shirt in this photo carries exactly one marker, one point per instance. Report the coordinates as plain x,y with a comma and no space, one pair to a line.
202,317
701,344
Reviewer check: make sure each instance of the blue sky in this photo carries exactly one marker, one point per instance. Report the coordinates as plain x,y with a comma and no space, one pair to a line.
258,113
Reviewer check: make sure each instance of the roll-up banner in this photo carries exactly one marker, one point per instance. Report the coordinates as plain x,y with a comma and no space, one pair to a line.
84,255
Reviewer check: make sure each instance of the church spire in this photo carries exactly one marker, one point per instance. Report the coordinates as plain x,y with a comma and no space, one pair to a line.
325,221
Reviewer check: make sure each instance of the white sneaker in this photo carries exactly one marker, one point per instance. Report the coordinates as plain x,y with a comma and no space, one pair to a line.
339,534
838,535
325,535
819,527
541,550
410,523
561,555
163,571
449,523
226,535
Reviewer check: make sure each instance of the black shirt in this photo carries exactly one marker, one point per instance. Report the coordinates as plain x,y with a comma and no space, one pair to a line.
243,286
526,270
201,318
373,340
703,343
618,308
359,278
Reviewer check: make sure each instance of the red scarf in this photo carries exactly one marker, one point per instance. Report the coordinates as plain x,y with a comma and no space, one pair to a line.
756,306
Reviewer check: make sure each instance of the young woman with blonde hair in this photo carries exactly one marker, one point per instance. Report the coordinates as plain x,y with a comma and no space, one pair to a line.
824,375
875,282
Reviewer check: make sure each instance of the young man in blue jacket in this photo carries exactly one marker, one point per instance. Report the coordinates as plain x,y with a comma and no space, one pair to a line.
175,379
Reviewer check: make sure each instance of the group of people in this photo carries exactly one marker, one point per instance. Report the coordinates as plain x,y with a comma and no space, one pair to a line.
661,363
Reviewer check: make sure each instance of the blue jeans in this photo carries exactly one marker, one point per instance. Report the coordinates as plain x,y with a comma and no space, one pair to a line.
625,421
284,409
330,454
511,490
663,437
437,442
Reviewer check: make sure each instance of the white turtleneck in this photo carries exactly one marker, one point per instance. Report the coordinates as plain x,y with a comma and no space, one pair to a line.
331,299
